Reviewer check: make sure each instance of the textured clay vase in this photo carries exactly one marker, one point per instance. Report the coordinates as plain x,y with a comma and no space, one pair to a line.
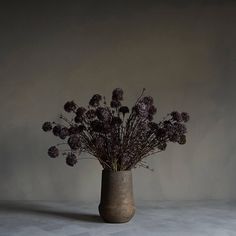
117,203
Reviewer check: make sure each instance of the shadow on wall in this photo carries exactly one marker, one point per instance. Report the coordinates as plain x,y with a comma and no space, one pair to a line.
39,209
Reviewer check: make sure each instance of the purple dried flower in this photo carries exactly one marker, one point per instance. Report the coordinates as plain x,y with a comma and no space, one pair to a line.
74,142
53,152
74,129
124,110
70,106
176,116
80,111
97,126
95,100
56,130
115,104
141,109
174,138
78,119
148,100
160,133
71,159
182,139
117,94
179,128
185,116
90,114
64,133
103,114
47,126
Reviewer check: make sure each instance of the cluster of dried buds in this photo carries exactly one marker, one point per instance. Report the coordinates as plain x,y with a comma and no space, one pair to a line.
119,138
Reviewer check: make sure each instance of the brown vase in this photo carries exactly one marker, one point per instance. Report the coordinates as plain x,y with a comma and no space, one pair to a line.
117,203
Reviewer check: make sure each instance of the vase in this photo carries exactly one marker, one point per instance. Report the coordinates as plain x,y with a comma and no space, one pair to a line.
117,202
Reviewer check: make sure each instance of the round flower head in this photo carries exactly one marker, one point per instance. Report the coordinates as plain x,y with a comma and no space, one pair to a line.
95,100
141,109
179,128
115,104
90,114
56,130
148,100
97,126
117,94
74,129
185,116
71,159
103,114
124,110
74,142
80,111
70,106
160,133
47,126
176,116
64,132
78,119
53,152
174,138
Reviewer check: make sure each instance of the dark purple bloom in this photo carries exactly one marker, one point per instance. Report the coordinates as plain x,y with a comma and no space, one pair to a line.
103,114
117,94
148,100
56,130
80,111
74,142
185,116
53,152
74,129
47,126
141,109
124,110
174,138
115,104
95,100
160,133
78,119
90,114
179,128
64,132
70,106
97,126
176,116
71,159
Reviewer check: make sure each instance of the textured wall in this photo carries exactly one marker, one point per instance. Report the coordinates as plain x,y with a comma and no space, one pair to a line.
183,53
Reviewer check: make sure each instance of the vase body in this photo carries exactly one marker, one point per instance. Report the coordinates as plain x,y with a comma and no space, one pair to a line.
116,203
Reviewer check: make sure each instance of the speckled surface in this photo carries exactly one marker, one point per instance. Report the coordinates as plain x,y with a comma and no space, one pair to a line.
190,218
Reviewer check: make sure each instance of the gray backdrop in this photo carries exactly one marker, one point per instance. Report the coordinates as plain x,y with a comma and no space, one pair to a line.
182,52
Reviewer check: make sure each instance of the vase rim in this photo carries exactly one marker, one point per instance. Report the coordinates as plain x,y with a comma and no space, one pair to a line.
118,171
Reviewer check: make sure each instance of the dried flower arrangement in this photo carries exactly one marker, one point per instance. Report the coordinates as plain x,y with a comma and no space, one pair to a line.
119,141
